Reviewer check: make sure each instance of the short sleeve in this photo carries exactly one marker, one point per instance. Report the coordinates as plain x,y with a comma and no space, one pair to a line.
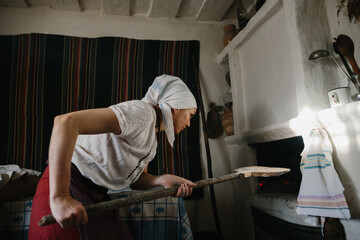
134,117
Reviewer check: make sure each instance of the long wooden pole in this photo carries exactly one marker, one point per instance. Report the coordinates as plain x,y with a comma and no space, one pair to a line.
208,154
156,193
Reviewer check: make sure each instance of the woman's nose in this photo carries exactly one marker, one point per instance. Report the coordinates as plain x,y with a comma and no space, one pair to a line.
188,123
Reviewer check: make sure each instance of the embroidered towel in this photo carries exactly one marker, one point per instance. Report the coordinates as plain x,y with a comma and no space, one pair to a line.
321,192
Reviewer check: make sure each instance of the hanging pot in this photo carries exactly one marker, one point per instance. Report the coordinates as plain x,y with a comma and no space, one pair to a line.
227,120
214,128
229,33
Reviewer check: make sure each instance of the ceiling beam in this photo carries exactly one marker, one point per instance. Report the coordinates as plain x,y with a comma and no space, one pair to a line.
70,5
40,3
116,7
213,10
164,8
90,4
139,7
189,8
15,3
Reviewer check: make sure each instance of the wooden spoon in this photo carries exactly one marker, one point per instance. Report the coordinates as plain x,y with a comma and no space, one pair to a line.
336,50
352,78
345,45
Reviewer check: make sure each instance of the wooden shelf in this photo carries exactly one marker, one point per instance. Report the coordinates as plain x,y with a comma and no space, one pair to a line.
259,18
348,114
267,134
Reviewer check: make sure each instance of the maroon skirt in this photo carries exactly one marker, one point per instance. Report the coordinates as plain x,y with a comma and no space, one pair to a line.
106,225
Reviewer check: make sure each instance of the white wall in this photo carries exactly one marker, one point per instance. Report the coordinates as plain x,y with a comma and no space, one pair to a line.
212,77
267,74
232,197
273,58
342,25
348,160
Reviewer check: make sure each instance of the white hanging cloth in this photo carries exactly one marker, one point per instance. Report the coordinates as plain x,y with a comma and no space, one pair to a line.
321,192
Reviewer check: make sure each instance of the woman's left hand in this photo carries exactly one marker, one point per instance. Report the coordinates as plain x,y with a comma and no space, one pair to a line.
185,186
184,190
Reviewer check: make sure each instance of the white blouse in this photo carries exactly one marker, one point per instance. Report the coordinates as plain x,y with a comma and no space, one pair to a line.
116,161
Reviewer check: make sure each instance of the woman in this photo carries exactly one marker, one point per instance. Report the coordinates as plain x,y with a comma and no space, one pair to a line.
94,150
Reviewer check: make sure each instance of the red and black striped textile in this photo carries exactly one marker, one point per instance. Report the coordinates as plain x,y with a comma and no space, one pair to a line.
46,75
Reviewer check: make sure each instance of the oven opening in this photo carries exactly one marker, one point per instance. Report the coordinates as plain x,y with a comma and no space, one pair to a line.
282,153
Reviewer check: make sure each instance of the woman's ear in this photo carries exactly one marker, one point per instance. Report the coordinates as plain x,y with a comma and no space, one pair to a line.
174,110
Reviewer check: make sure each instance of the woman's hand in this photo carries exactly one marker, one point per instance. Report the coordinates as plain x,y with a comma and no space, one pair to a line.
146,181
68,211
185,186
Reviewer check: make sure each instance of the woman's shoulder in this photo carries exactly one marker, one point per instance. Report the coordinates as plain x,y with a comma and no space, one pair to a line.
133,105
134,110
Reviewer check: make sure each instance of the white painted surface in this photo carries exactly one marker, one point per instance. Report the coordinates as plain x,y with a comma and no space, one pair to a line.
310,25
164,8
282,206
212,78
202,10
312,81
266,73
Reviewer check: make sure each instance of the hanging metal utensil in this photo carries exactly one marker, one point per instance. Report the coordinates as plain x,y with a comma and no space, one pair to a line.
345,45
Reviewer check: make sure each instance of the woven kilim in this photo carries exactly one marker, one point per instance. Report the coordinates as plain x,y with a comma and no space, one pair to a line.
47,75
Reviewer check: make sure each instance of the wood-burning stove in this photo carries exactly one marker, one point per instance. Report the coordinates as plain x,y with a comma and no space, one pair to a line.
268,227
283,189
282,153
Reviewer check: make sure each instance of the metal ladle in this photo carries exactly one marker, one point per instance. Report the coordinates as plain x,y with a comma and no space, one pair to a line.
324,53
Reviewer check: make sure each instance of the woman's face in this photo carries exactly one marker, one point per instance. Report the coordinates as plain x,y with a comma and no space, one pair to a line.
181,118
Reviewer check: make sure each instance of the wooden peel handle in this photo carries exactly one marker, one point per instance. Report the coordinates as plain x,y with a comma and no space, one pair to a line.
161,192
118,203
140,197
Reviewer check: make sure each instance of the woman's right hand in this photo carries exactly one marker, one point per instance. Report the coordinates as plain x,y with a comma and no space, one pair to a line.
68,211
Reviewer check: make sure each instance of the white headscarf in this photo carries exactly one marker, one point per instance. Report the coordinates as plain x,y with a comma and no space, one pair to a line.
169,92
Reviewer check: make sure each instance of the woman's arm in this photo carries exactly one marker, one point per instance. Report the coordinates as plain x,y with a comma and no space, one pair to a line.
66,210
147,180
